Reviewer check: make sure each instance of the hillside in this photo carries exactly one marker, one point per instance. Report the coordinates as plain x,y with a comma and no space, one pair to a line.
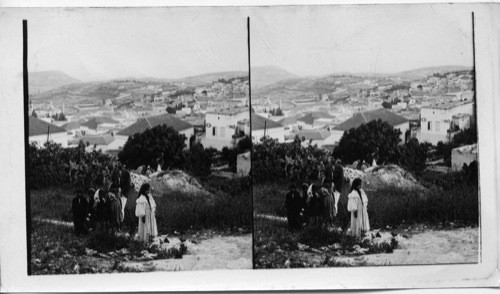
40,81
267,75
428,71
291,89
208,78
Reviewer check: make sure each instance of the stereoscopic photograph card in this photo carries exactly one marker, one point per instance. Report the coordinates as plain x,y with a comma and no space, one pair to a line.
249,147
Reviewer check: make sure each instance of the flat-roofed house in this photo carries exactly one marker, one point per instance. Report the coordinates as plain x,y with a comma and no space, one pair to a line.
99,142
315,120
319,137
290,124
73,128
395,120
440,122
40,132
99,125
463,155
221,126
145,123
262,126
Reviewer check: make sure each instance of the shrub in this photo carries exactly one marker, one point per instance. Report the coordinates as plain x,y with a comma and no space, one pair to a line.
105,242
227,208
374,140
160,145
198,161
316,236
52,165
413,155
272,161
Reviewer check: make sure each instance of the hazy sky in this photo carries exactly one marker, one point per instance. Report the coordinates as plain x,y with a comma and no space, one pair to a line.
96,44
361,38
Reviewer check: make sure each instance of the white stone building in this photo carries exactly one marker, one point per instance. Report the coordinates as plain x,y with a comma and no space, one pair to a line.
221,126
463,155
439,122
40,132
262,126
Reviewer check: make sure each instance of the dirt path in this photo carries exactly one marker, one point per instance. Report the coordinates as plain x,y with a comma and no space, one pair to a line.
54,222
427,247
219,252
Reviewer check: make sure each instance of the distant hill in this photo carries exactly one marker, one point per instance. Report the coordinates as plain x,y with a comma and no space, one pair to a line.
208,78
48,80
267,75
429,71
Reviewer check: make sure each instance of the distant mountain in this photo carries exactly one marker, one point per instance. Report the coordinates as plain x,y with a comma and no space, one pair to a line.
429,71
208,78
267,75
48,80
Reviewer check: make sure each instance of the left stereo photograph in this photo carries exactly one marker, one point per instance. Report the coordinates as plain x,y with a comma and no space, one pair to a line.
137,140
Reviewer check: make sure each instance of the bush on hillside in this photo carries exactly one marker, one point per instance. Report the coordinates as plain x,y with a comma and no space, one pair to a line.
413,155
53,165
160,145
273,161
374,140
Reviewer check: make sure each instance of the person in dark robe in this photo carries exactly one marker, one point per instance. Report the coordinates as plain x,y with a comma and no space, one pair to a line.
116,175
79,209
314,205
90,209
102,211
328,178
305,211
327,204
293,204
115,207
338,176
126,186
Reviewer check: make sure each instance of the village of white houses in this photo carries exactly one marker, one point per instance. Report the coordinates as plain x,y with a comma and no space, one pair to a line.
365,139
190,158
129,173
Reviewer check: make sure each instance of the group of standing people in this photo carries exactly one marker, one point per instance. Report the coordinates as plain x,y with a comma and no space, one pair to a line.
317,204
104,210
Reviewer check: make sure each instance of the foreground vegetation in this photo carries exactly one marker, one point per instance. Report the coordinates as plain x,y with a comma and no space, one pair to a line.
56,250
449,201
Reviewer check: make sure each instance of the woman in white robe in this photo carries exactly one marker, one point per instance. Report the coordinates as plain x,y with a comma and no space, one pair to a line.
357,204
145,211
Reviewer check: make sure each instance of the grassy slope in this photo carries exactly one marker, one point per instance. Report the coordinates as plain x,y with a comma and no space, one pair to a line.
56,250
389,208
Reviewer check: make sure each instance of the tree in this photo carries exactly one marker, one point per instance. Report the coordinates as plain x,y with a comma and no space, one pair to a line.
198,160
413,155
464,137
374,140
34,114
160,145
171,110
386,105
244,144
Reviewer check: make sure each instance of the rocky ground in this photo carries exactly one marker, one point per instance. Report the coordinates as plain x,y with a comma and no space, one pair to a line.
165,181
200,250
214,252
416,245
425,247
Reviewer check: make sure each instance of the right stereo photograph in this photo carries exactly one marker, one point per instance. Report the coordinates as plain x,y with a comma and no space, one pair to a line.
364,136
